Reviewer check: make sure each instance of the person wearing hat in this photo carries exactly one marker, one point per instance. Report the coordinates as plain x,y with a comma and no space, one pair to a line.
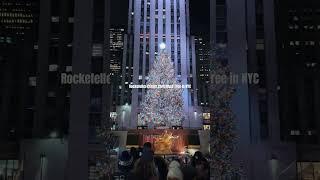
174,172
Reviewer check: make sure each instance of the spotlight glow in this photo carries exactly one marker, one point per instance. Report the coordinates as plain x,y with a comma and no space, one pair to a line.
162,45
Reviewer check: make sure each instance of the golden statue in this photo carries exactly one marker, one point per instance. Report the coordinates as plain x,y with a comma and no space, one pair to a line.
163,143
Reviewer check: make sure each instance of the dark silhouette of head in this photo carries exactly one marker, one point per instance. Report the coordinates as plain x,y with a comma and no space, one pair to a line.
125,163
162,167
145,168
134,153
147,145
197,157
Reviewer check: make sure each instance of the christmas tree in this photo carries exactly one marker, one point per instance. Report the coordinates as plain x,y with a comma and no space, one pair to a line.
105,164
222,134
163,103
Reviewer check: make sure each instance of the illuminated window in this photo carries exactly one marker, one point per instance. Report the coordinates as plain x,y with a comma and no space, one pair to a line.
8,169
206,116
68,68
55,19
70,19
32,81
53,67
295,132
97,50
206,127
113,115
51,94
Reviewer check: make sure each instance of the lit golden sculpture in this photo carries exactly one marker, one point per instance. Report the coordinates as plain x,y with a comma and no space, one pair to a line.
164,142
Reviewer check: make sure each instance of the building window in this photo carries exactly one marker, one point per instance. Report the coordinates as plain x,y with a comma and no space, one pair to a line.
294,132
97,50
206,127
221,13
221,2
55,19
32,81
9,169
260,44
206,116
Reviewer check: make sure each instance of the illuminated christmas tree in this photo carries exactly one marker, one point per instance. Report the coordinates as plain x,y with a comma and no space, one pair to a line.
105,164
223,133
162,106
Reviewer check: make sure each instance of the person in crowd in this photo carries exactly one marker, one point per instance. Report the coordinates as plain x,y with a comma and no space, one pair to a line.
125,165
189,172
140,149
200,163
147,146
196,157
203,169
144,168
134,153
162,167
174,172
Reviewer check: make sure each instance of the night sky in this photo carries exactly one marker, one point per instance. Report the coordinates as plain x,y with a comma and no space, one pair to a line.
199,15
119,13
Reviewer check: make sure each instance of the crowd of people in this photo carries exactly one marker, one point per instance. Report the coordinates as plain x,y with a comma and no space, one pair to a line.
143,164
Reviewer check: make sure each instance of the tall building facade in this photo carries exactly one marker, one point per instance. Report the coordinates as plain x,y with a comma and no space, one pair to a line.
18,26
116,56
202,51
298,57
45,102
17,19
17,32
116,49
245,29
89,104
151,23
42,119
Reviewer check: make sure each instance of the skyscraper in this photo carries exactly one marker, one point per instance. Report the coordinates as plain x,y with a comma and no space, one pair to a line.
298,57
202,48
151,23
43,119
17,33
17,19
298,62
116,49
202,51
246,30
116,56
89,104
18,25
